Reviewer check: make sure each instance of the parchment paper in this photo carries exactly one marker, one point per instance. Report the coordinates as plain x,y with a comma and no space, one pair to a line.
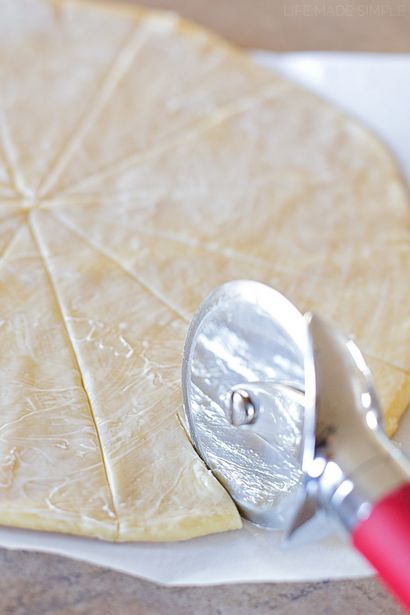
376,89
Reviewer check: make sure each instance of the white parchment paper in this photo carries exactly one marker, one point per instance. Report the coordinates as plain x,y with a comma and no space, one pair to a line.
376,89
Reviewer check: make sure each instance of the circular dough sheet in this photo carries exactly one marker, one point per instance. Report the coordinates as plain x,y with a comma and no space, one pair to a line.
142,163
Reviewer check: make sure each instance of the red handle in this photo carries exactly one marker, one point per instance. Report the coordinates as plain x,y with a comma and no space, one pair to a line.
384,539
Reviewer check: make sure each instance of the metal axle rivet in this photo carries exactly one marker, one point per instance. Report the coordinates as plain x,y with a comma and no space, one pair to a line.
242,409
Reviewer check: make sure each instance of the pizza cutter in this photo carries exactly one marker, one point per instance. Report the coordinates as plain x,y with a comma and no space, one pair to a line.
282,409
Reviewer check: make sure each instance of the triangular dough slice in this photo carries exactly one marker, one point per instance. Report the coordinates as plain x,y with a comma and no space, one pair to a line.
51,471
273,181
64,68
162,97
163,260
166,260
129,343
393,387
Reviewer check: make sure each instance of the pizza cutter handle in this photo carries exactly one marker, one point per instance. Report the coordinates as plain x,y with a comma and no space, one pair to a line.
384,539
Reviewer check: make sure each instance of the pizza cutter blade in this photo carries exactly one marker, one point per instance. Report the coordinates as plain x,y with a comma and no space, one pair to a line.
282,409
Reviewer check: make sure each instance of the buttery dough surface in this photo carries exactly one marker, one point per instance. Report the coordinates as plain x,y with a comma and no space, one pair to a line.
142,163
